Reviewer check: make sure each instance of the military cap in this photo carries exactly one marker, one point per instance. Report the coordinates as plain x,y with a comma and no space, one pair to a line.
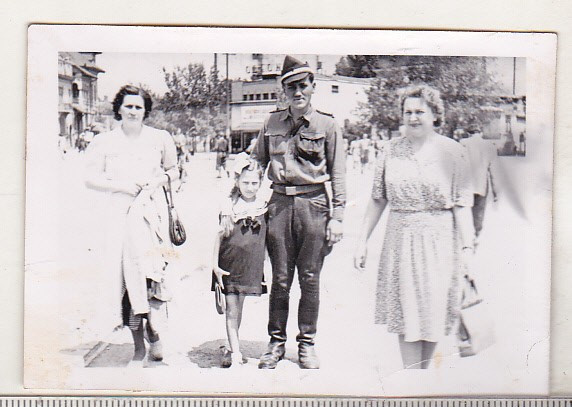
293,70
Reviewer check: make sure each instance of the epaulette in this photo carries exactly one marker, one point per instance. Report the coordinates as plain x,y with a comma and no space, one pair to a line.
324,113
279,110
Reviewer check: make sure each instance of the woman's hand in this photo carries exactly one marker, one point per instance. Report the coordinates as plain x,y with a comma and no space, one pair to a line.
360,256
153,183
467,259
218,272
129,188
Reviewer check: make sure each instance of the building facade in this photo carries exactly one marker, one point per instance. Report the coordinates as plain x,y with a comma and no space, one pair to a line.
77,87
252,100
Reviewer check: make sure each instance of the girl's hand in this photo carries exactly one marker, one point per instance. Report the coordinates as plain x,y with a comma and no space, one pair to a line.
218,272
360,256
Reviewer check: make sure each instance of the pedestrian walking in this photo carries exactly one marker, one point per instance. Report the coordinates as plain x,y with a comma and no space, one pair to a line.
303,149
424,178
240,248
221,147
482,157
364,152
522,143
132,163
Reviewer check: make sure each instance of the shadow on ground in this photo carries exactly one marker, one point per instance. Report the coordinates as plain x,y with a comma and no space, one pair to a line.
208,354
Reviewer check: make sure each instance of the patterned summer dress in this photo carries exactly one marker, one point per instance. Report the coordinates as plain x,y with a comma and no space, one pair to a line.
418,289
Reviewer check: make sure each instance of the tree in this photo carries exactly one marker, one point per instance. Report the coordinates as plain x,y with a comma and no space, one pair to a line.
464,83
194,102
357,66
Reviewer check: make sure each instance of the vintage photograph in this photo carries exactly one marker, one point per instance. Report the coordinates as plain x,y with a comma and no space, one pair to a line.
355,220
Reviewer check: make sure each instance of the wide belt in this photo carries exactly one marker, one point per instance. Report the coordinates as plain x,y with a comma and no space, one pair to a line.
297,189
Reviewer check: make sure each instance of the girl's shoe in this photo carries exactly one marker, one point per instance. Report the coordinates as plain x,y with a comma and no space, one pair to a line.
226,357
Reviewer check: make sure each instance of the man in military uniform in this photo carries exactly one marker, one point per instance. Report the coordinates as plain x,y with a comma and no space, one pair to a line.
304,151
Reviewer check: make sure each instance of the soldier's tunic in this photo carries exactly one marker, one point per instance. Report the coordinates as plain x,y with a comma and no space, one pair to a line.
301,156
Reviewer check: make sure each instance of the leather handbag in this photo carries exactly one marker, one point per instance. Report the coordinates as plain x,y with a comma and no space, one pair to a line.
177,232
220,300
476,329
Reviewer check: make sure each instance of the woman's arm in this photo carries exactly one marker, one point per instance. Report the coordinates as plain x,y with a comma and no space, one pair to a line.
464,221
373,212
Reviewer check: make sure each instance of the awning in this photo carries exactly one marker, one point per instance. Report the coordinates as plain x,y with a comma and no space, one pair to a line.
248,127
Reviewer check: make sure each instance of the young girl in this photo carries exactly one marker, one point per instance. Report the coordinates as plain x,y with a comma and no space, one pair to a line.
238,260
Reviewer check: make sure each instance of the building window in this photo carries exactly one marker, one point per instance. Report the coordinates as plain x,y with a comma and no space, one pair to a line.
250,97
61,90
335,89
273,96
244,97
258,96
265,96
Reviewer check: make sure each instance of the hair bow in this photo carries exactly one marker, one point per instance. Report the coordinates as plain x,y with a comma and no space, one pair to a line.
241,161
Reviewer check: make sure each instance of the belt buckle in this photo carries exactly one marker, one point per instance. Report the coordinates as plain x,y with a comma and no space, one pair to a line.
290,190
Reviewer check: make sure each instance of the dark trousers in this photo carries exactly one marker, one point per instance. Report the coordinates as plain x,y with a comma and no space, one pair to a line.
479,205
296,239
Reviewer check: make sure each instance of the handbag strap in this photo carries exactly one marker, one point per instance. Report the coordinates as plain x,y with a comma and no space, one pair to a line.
168,193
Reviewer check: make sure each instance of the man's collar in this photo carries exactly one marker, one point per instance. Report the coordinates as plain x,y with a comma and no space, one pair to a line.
307,116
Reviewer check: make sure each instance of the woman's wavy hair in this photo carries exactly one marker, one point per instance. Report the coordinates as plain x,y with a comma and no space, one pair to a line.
226,220
430,95
131,90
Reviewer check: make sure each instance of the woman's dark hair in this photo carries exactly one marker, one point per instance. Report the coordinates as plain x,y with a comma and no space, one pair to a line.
131,90
430,95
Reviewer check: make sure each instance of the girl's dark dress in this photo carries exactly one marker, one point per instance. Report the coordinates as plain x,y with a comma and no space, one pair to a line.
242,255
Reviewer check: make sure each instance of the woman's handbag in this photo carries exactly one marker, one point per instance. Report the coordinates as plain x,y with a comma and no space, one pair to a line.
220,300
176,229
476,329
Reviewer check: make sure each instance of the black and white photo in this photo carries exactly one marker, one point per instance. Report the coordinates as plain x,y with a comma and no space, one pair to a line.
264,211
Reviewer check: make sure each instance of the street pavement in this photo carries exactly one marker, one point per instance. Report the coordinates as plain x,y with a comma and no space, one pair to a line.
357,356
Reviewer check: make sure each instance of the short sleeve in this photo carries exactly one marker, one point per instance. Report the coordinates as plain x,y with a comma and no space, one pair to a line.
169,151
462,191
95,154
379,190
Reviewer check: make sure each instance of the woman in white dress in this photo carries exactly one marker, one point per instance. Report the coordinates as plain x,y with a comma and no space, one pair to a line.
132,163
424,178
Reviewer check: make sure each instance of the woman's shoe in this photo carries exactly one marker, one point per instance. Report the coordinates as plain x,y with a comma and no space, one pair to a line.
156,351
237,359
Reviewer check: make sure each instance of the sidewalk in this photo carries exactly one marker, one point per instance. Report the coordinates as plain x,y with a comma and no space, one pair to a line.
356,355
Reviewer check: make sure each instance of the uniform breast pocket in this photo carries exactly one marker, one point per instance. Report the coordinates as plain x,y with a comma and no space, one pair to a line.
276,143
310,145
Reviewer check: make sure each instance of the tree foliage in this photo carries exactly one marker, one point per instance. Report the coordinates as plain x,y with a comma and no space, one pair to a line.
195,102
464,83
357,66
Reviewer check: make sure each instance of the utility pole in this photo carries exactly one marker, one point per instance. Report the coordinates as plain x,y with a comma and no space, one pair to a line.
227,100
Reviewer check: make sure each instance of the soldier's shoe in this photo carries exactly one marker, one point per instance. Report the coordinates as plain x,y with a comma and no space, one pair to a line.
307,356
273,355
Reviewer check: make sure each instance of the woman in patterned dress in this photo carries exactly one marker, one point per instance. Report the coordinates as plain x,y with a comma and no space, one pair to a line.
423,178
132,163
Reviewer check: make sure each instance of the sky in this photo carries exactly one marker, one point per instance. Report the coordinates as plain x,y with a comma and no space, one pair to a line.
147,68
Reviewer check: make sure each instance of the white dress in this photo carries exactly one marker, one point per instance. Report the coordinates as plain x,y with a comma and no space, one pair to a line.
119,158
